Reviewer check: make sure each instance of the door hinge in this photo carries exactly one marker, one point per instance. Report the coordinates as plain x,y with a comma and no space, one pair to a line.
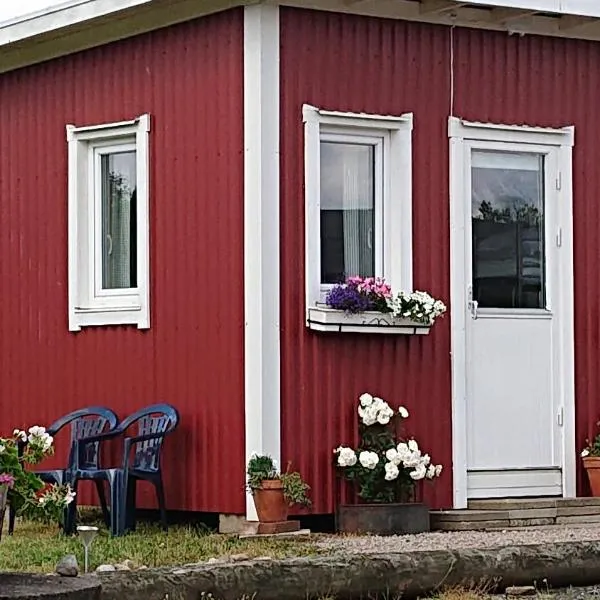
559,181
560,416
559,237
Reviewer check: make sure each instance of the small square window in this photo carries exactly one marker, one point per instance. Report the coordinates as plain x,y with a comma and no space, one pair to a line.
108,224
358,199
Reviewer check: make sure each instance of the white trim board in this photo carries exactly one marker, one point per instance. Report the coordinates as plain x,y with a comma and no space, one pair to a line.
459,133
261,234
82,24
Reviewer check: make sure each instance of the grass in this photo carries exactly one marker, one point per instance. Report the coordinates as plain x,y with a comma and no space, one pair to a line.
35,547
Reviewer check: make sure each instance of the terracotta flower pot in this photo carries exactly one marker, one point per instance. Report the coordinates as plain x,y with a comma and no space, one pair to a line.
592,466
271,505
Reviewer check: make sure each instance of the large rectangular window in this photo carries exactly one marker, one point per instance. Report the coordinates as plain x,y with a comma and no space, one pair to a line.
108,224
358,199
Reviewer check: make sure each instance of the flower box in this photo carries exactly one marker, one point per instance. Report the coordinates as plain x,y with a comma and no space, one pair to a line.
322,318
382,519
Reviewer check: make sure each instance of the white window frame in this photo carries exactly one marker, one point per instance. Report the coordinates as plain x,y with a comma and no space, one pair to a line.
89,304
392,138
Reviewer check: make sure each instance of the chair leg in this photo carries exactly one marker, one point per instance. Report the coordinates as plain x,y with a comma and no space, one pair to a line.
71,512
160,496
103,505
130,504
117,504
12,515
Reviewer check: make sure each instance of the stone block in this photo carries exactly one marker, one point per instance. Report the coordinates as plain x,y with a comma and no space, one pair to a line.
512,504
471,525
571,511
578,519
280,527
467,515
543,522
584,501
532,513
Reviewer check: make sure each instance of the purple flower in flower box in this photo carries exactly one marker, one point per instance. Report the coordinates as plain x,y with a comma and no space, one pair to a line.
348,298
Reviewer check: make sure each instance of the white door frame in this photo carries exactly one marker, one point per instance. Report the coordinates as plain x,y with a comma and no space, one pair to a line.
460,131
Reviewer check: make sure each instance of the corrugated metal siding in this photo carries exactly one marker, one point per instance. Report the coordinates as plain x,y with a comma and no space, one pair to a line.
345,62
190,79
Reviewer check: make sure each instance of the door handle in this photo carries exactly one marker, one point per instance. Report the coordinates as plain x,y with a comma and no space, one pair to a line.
473,305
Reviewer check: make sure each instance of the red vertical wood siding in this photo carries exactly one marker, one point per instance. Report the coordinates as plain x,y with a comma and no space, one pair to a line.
352,63
190,79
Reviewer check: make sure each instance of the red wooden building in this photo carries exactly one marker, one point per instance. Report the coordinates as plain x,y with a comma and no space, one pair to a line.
257,151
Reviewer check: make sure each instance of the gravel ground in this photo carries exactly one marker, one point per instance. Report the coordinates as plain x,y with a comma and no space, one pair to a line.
441,540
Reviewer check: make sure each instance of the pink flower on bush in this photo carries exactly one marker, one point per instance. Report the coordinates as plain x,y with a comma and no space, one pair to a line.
6,479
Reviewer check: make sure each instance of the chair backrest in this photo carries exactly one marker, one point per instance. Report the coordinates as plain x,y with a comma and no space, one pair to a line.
85,423
158,419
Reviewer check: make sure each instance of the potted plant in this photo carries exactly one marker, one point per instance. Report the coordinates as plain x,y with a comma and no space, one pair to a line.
274,492
386,471
23,489
591,463
368,305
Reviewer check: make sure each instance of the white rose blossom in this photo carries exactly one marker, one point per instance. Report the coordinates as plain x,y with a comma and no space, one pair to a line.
403,412
413,446
346,457
419,472
366,399
430,472
368,459
585,453
391,471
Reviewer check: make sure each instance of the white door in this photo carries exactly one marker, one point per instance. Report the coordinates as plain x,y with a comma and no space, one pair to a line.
512,276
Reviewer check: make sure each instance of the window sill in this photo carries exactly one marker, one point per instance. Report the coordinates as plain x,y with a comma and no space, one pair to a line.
107,316
325,319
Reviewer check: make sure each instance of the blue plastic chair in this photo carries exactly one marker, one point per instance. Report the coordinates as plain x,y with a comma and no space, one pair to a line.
86,423
141,461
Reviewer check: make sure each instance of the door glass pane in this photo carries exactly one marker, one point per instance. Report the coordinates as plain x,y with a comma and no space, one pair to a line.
507,206
347,211
119,253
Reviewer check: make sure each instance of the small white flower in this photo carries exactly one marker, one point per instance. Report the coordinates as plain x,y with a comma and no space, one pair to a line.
346,457
37,431
391,471
18,433
438,470
585,453
426,459
370,416
366,399
368,460
413,460
419,472
403,412
430,472
70,495
383,418
413,446
391,454
2,448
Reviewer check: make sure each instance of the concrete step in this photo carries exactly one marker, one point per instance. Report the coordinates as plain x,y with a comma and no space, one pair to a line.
518,512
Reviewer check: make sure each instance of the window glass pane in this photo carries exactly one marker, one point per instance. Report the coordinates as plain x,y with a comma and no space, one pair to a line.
508,229
347,211
119,255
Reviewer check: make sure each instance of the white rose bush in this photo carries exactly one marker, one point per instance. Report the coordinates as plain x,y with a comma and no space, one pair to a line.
385,468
